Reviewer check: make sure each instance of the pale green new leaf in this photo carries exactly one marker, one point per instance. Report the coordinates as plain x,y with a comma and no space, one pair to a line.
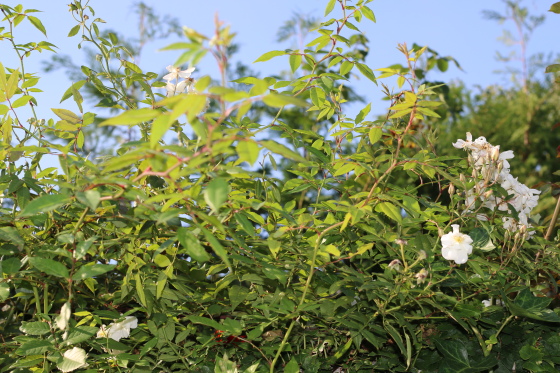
269,55
330,7
248,151
67,115
132,117
45,203
277,148
37,23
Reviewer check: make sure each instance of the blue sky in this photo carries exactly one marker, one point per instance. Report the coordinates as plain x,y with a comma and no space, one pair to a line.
453,28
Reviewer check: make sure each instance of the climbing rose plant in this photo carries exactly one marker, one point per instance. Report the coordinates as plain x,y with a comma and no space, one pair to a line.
254,225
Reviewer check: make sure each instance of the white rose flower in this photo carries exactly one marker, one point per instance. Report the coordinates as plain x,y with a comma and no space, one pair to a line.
64,317
73,359
176,73
456,245
118,330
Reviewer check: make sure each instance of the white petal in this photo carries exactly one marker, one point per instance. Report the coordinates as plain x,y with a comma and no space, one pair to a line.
73,359
64,317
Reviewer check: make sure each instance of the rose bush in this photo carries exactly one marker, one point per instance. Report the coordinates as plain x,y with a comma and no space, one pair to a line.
261,228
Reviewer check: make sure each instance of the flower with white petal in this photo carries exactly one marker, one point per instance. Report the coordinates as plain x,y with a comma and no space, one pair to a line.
490,166
456,245
73,359
64,316
176,73
118,330
490,302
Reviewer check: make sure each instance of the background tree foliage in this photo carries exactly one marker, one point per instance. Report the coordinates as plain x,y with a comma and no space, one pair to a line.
253,225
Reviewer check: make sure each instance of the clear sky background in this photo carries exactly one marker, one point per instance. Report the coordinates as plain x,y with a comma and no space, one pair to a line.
451,27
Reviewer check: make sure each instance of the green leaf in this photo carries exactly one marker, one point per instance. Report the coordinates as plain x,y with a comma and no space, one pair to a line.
531,353
555,8
278,100
49,266
90,198
237,295
216,246
245,223
4,291
148,346
269,55
12,84
70,91
330,7
132,117
10,265
80,334
67,115
346,67
528,305
552,68
248,151
205,321
456,358
74,30
375,134
192,245
11,234
481,239
366,71
277,148
159,127
37,23
45,203
88,271
428,112
390,210
216,193
162,260
292,366
442,64
23,100
396,337
140,290
131,65
295,62
367,12
344,168
34,347
362,114
83,247
400,113
35,327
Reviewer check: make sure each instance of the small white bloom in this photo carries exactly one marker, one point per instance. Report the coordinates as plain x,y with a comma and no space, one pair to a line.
118,330
64,317
456,245
176,73
73,359
488,302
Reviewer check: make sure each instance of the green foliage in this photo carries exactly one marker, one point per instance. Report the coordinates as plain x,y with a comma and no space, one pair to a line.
185,251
